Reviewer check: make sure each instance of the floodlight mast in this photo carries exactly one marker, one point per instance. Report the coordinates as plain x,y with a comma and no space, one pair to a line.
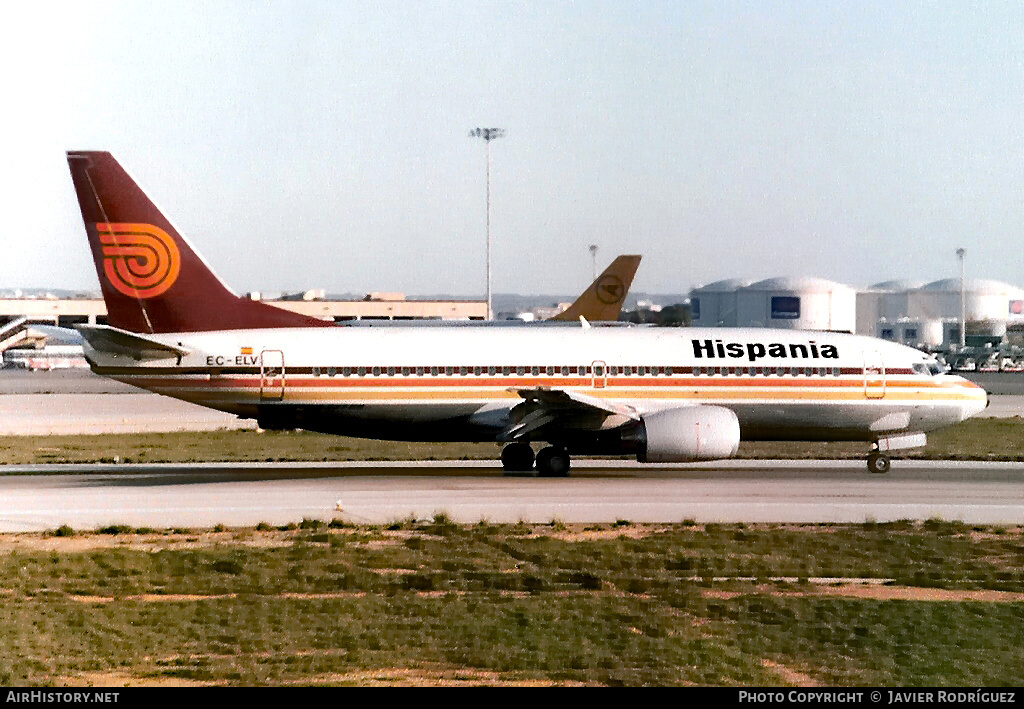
963,300
488,134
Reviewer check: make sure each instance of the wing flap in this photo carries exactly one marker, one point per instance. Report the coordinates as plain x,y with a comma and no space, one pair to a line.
545,407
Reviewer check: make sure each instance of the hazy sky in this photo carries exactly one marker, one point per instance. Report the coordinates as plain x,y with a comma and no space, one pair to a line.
325,144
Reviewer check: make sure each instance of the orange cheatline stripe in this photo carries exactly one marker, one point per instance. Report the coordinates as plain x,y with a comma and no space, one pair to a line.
617,385
475,394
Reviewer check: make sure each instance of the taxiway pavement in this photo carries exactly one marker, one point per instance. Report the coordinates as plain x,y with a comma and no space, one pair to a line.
237,495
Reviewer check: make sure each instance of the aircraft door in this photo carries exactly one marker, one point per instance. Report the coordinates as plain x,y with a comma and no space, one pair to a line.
599,374
271,375
874,375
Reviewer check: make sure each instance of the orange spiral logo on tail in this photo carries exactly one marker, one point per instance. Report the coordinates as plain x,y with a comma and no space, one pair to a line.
139,260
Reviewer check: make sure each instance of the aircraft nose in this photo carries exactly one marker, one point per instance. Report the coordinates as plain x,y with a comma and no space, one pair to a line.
976,404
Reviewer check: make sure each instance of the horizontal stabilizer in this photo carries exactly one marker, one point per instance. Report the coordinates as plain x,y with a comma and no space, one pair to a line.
104,338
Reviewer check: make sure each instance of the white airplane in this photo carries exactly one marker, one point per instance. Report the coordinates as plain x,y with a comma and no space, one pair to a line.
661,394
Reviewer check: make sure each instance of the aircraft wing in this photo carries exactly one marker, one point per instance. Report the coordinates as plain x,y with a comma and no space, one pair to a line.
544,407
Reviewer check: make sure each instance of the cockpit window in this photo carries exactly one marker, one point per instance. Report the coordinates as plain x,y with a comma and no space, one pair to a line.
929,368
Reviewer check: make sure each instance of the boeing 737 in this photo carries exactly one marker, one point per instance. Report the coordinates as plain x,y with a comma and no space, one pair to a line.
659,394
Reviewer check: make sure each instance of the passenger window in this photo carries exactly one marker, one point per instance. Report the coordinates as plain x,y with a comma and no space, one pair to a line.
492,371
376,371
433,371
331,371
391,371
565,371
346,371
551,371
668,371
405,371
449,371
535,370
316,371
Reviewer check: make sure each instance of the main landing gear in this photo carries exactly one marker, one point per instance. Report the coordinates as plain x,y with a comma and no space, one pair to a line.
552,462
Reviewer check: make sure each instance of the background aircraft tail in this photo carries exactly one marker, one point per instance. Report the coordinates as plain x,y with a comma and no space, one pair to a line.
602,301
152,279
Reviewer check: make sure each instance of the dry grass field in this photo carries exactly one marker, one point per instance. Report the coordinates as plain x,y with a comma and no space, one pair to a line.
435,603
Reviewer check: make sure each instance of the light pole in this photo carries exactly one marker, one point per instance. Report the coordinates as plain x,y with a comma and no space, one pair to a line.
488,134
963,302
593,257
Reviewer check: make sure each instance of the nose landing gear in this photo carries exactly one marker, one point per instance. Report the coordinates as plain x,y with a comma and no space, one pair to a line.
878,463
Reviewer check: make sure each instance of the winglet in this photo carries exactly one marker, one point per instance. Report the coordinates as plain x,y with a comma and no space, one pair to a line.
602,301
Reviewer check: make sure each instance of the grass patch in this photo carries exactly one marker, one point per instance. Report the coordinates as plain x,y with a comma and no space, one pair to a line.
977,439
668,604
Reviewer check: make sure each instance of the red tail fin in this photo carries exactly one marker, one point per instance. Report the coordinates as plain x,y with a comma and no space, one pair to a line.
152,279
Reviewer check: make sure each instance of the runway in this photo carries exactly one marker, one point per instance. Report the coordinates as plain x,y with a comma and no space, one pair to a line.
236,495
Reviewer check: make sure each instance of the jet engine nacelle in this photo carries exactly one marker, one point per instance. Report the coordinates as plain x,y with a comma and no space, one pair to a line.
688,434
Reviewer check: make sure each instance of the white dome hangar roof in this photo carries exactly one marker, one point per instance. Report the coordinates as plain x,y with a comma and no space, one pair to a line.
896,286
977,286
728,285
798,284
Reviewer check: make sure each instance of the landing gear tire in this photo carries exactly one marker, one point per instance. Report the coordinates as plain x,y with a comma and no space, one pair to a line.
553,462
517,458
879,463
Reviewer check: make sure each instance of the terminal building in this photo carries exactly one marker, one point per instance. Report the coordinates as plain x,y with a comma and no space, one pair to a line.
66,312
22,342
